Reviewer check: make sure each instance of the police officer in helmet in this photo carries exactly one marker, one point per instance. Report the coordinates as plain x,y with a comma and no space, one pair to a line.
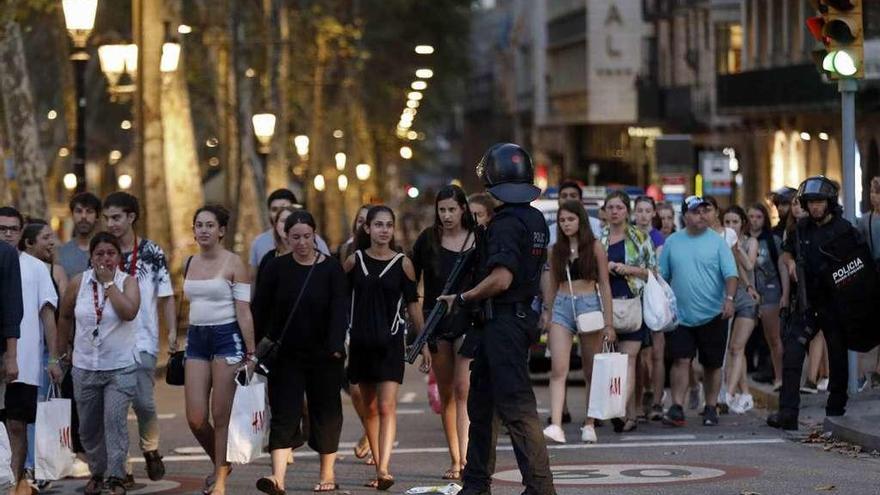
512,256
805,256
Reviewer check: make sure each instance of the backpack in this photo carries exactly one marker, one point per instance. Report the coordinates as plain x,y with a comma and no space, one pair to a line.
379,335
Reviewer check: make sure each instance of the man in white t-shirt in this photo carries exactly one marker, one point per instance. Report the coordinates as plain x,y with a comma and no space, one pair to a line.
145,260
39,301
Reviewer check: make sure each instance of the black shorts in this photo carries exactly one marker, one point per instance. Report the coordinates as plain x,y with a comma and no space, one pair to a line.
710,339
21,402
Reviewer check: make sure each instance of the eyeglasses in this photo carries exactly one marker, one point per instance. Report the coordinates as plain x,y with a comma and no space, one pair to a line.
9,228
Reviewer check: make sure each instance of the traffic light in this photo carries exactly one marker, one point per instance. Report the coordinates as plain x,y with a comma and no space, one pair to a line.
839,27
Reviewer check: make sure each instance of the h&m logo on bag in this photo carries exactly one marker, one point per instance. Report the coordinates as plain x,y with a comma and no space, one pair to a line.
259,422
615,386
843,274
64,437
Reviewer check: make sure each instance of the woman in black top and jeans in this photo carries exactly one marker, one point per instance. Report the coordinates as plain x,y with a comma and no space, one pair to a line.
312,350
434,255
383,280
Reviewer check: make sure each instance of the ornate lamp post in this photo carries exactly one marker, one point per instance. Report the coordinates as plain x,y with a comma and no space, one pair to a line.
79,16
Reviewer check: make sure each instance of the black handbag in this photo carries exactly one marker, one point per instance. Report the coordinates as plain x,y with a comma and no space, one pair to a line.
268,347
174,371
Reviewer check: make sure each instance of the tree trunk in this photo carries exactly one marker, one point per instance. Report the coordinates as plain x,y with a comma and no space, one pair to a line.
21,124
154,204
277,170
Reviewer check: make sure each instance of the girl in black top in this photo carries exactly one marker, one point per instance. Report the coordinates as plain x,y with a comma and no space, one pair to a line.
312,349
383,280
434,255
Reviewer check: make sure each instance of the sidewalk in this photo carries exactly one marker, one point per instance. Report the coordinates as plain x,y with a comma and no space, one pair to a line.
860,425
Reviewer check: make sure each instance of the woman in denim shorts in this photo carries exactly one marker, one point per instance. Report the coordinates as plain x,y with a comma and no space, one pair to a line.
737,397
220,337
577,256
768,282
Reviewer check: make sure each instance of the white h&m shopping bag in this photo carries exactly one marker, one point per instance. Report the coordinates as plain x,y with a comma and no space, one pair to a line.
248,422
53,449
6,478
608,386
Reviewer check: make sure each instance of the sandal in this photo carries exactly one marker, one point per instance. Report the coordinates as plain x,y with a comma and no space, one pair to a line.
374,483
362,449
269,485
629,425
452,474
326,486
370,461
385,482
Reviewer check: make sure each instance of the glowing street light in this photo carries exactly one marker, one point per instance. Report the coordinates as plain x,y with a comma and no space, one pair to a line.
170,57
412,192
419,85
362,170
414,95
79,17
264,129
301,143
340,161
412,104
424,49
320,184
424,73
70,182
342,182
124,181
406,152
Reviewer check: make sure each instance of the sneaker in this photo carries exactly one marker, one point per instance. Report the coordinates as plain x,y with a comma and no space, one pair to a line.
809,388
747,402
863,383
116,486
588,434
80,469
128,481
656,413
734,405
674,416
710,416
777,420
554,433
94,486
43,485
822,386
695,397
155,466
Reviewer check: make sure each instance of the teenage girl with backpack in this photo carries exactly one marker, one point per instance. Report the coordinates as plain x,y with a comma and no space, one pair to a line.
383,282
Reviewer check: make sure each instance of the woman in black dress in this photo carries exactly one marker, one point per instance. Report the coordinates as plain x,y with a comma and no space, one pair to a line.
312,351
434,255
383,281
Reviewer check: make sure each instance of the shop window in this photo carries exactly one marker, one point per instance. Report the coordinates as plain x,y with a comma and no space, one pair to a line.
728,48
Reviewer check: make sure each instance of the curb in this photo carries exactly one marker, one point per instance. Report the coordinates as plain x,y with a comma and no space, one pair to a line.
855,430
764,396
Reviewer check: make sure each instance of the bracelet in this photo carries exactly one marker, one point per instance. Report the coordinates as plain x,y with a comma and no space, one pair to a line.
54,361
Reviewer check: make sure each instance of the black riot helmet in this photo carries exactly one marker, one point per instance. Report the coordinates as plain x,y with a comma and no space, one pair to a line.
507,173
783,195
817,188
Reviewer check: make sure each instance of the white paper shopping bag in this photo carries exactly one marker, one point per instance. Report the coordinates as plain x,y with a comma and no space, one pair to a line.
248,422
6,478
608,386
53,452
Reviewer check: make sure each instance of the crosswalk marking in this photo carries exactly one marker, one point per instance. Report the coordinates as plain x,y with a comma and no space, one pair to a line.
408,398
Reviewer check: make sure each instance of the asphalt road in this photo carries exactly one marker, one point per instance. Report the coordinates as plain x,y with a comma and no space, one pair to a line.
740,456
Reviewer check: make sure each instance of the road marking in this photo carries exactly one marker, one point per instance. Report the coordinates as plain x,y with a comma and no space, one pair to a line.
410,411
507,448
189,450
142,486
643,438
408,398
630,474
132,417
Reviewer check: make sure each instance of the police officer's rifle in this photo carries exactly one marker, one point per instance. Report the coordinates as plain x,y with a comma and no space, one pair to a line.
439,310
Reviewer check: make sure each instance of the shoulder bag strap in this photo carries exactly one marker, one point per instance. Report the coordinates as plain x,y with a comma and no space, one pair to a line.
570,290
180,302
871,231
302,291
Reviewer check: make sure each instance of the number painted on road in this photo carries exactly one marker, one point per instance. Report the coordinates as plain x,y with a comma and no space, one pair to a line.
623,474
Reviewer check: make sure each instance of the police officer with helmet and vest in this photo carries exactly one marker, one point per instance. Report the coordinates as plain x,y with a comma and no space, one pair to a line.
512,256
809,254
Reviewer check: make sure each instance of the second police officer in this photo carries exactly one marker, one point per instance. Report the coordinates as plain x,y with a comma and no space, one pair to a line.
811,310
512,255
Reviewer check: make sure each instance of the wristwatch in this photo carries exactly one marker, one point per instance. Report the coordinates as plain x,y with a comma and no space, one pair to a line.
107,285
729,298
460,299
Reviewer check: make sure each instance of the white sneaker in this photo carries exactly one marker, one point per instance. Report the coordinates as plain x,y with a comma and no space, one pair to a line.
588,434
736,404
555,433
822,385
746,402
80,469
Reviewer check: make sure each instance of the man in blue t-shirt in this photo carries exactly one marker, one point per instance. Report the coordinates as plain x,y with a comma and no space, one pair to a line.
702,272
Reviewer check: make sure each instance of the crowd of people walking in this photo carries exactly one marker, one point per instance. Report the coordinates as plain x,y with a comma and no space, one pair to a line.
86,315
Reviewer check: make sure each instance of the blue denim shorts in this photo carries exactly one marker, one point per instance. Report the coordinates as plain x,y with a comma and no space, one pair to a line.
563,314
208,342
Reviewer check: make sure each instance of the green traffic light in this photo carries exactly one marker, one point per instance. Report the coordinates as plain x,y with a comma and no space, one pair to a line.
840,62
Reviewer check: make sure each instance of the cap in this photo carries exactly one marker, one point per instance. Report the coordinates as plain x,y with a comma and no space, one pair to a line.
691,203
784,194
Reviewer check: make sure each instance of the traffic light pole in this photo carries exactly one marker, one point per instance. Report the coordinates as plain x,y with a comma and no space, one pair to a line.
848,88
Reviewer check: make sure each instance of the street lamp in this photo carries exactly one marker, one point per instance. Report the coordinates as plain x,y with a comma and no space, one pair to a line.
362,171
170,56
301,143
118,60
264,129
342,182
79,16
320,184
340,161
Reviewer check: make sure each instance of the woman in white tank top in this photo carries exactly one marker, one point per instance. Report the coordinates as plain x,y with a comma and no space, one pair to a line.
103,303
220,338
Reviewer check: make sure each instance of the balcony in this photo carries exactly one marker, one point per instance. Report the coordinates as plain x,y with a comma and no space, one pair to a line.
796,87
671,106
